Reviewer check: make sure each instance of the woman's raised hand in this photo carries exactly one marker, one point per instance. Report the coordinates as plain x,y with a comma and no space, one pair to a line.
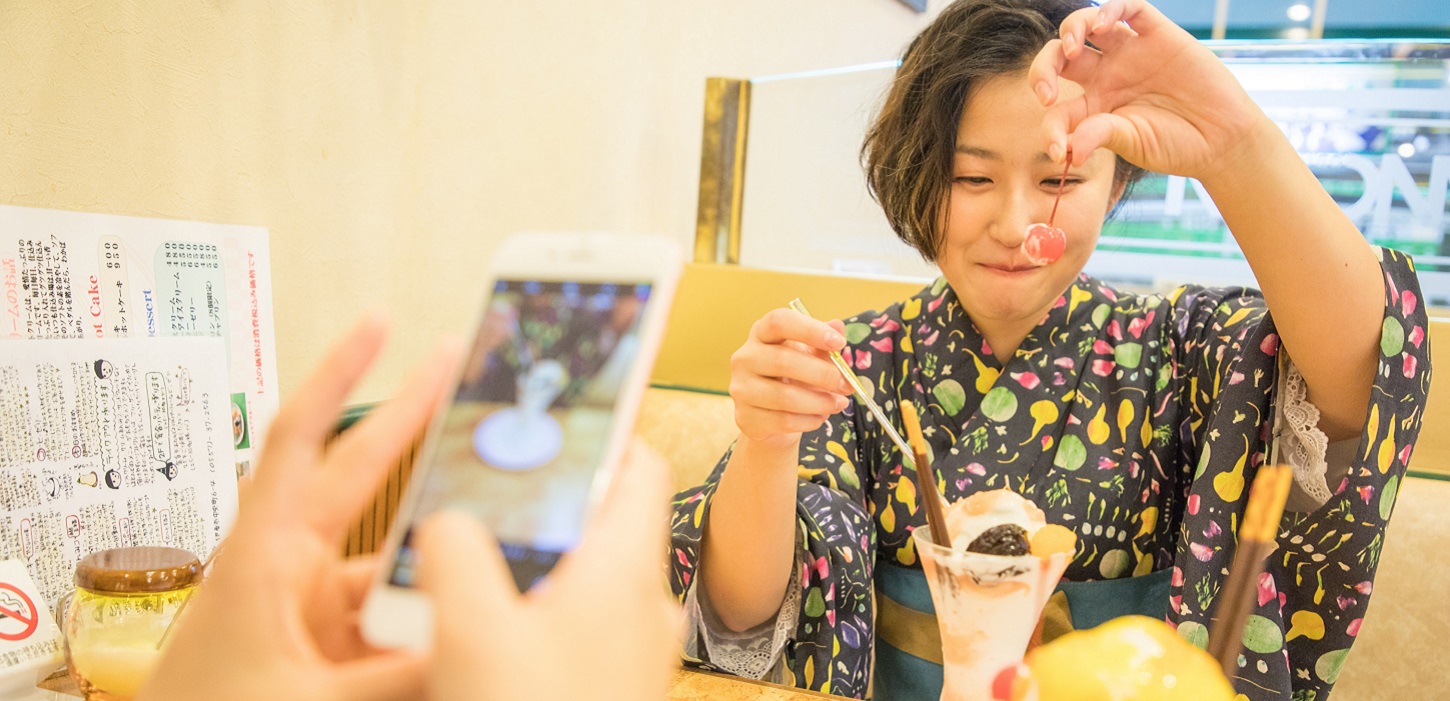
782,381
1150,92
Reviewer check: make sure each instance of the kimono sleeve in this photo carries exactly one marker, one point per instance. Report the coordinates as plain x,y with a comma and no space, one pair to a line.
1326,561
834,551
1312,597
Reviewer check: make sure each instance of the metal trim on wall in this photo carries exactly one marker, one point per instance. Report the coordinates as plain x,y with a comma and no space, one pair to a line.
722,170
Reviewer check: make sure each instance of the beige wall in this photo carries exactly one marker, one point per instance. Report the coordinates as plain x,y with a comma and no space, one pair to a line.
388,145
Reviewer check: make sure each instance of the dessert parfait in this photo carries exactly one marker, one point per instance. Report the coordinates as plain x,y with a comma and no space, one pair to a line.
990,587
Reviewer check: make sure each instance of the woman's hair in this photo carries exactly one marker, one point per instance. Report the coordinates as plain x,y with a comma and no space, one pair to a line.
909,150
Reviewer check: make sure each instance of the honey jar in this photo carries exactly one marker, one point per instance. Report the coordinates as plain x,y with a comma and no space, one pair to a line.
124,601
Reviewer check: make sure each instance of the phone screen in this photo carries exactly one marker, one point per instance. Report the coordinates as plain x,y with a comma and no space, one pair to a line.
528,427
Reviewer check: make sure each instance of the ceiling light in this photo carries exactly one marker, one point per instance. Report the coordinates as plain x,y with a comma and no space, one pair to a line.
1406,150
1299,12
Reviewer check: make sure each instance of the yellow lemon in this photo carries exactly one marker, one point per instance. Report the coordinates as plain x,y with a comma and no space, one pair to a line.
1129,658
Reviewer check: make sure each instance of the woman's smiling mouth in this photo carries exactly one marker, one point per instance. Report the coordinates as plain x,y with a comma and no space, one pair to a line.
1010,267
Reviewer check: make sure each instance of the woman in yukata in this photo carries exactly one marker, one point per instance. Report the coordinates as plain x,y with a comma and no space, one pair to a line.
1135,420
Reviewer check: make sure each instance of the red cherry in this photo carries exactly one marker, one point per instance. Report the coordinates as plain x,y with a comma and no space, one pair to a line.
1044,244
1002,683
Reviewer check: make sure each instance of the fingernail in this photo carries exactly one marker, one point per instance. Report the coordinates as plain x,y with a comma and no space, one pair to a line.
840,403
1044,92
1054,152
1068,42
834,339
846,387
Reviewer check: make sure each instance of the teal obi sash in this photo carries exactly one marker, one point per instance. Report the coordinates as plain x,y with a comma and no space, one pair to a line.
908,644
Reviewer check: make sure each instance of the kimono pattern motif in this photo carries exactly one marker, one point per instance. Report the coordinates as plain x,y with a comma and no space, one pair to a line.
1138,421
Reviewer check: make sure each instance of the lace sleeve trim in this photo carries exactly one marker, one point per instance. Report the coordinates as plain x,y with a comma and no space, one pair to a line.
755,653
1300,444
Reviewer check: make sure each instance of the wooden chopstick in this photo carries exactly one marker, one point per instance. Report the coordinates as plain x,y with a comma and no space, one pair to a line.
927,493
1257,535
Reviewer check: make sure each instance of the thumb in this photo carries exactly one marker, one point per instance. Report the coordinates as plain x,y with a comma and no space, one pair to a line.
1105,130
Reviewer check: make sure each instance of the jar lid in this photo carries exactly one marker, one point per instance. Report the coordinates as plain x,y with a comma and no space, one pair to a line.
137,570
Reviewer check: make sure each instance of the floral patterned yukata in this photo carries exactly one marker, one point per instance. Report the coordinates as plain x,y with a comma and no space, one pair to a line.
1137,421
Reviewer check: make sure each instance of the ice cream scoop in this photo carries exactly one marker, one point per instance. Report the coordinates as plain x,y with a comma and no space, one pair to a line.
1132,658
989,517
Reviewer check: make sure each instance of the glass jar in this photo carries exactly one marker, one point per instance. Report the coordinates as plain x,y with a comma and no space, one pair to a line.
124,601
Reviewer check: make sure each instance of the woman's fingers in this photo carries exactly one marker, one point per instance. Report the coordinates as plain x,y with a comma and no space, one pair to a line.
781,380
760,424
787,362
1060,121
777,395
780,325
1104,130
1051,66
1046,67
1072,123
1074,30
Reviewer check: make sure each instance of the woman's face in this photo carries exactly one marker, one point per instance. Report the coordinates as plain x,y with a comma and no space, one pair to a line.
1003,182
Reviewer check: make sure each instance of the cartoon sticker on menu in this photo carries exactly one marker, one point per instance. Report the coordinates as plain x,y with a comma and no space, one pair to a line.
158,401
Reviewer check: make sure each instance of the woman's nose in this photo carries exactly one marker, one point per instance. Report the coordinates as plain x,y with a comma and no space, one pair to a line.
1009,227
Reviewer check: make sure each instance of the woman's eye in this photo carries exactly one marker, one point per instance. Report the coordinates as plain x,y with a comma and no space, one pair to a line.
971,180
1058,182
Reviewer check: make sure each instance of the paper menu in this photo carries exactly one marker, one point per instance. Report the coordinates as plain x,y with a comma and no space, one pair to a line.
96,276
111,443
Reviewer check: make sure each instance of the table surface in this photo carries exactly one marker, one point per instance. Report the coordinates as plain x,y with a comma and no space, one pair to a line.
693,685
685,685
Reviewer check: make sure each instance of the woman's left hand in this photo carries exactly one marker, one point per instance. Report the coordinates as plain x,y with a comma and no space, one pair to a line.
1151,92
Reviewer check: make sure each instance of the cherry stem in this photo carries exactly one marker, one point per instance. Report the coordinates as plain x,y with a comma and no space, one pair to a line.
1067,164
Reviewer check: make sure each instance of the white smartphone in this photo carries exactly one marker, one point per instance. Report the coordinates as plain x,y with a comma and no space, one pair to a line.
541,411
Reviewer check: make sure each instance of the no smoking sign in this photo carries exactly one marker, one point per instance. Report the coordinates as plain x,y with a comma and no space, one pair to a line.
18,616
29,638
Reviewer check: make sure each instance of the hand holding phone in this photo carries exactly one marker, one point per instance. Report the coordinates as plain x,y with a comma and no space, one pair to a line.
278,613
538,420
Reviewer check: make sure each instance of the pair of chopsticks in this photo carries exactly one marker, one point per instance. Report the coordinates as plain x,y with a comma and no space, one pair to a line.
1257,535
926,489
